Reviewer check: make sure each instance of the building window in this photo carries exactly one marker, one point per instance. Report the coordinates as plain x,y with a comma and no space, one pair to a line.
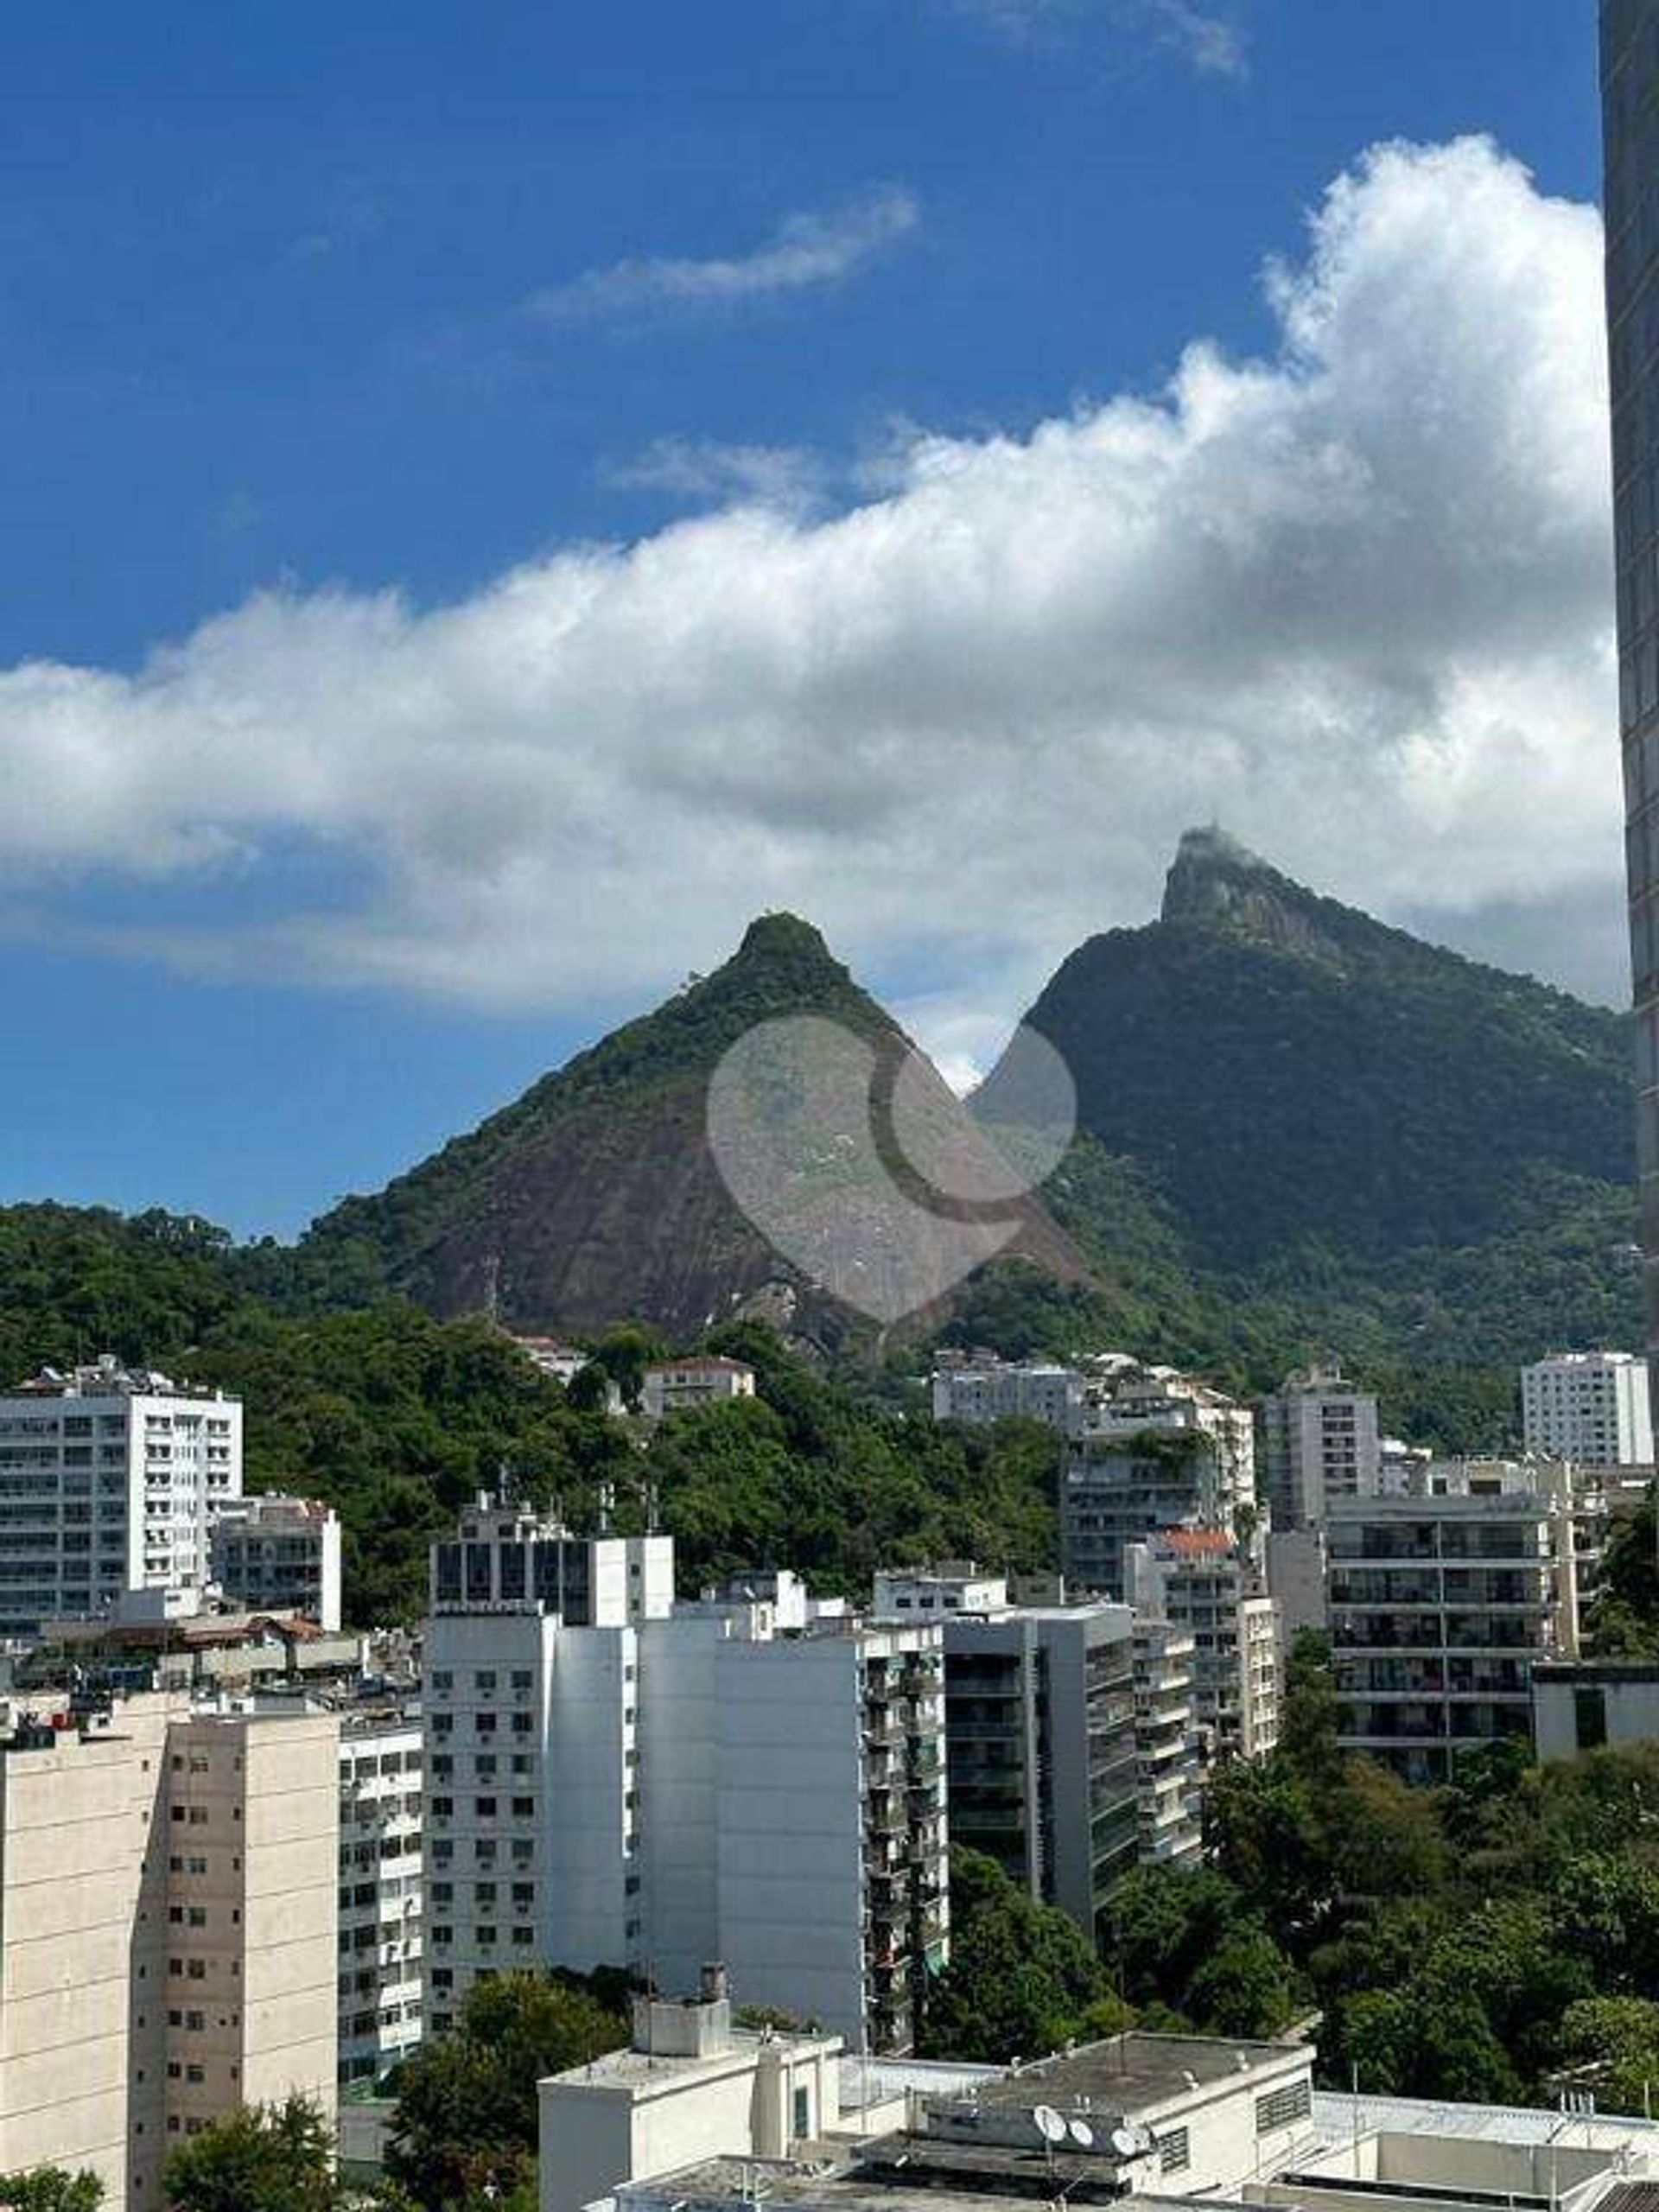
1174,2152
1280,2108
803,2113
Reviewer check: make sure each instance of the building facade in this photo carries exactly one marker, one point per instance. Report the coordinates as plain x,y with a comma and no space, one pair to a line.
1629,93
677,1386
1440,1605
1200,1580
381,1894
1588,1407
110,1482
1166,1744
1040,1738
1320,1441
279,1555
529,1716
167,1931
978,1392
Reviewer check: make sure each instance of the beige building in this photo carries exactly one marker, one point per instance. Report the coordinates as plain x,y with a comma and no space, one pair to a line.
167,1931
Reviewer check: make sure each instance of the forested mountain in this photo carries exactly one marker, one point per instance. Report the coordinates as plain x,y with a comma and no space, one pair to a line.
1357,1140
595,1197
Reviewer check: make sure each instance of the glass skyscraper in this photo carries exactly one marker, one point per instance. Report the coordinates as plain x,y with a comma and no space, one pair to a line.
1629,94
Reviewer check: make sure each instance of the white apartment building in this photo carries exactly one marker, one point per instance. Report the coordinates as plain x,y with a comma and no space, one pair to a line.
675,1385
531,1741
167,1931
270,1553
794,1793
1440,1605
110,1482
1166,1744
1198,1579
978,1392
1588,1407
1320,1441
614,1781
1040,1733
381,1893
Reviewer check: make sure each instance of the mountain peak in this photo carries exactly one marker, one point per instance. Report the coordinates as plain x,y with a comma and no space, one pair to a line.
1215,883
785,937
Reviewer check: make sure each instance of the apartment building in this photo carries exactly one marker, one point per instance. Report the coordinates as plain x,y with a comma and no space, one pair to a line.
978,1392
1040,1733
271,1553
1588,1407
1200,1580
676,1386
530,1714
1320,1441
381,1893
1166,1744
794,1789
1440,1605
167,1930
111,1480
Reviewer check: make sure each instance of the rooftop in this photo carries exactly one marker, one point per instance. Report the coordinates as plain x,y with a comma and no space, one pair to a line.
1126,2072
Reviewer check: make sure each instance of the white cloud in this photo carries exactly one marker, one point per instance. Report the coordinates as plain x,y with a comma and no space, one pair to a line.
791,476
1353,601
805,253
1213,45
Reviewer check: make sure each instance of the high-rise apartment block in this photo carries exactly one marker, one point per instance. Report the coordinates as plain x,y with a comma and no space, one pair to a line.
381,1892
1441,1604
279,1554
1588,1407
1321,1441
1630,93
167,1931
614,1780
1200,1580
110,1482
1040,1733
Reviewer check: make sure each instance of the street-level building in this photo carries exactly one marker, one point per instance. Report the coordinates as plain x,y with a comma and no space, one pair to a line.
381,1894
1588,1407
167,1931
1040,1733
271,1553
1200,1579
1320,1441
1440,1607
111,1480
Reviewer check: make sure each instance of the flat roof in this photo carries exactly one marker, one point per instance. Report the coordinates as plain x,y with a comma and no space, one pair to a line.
1133,2069
846,2188
1337,2114
631,2069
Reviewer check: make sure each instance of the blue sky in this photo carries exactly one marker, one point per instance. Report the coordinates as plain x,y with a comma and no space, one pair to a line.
329,302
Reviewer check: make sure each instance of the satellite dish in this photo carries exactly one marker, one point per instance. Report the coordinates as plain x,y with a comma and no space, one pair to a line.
1125,2143
1082,2135
1050,2125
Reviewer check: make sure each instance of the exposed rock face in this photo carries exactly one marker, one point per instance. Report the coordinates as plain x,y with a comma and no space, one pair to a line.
594,1197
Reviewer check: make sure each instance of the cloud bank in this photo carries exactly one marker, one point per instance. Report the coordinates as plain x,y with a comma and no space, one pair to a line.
1351,601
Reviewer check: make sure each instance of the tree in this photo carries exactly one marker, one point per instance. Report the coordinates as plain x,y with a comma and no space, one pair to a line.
1023,1978
466,2120
262,2159
49,2188
1162,1924
1245,1987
